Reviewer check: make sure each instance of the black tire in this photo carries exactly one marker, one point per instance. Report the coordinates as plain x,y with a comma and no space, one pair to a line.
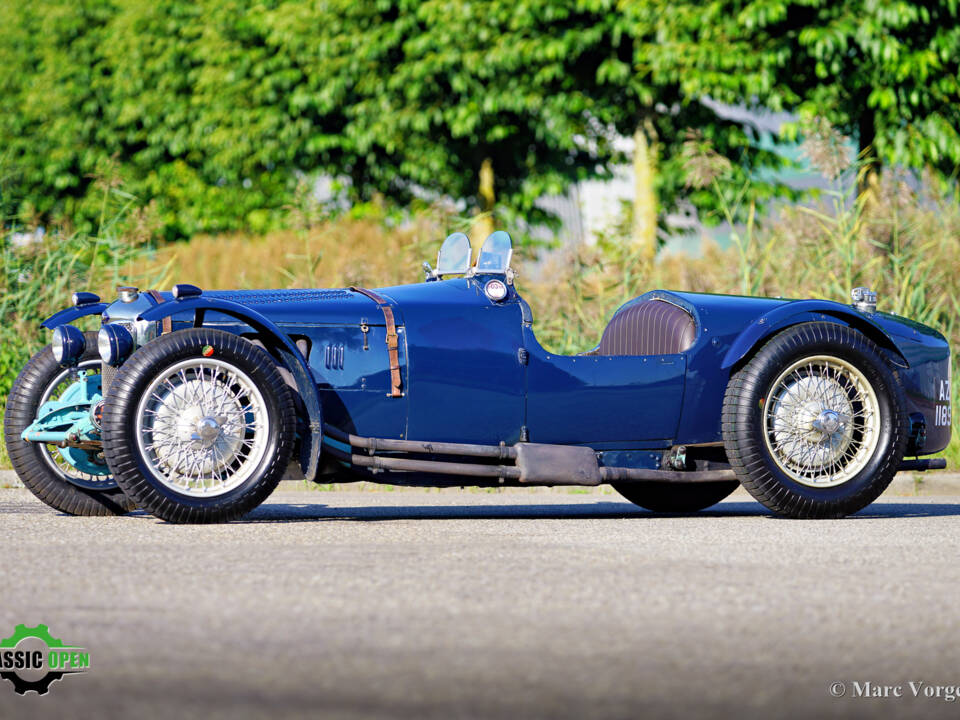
670,497
131,469
42,478
747,440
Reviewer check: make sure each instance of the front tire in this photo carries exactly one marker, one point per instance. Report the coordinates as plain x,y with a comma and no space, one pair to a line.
199,426
814,424
41,468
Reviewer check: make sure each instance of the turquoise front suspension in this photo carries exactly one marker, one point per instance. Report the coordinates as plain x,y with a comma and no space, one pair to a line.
68,423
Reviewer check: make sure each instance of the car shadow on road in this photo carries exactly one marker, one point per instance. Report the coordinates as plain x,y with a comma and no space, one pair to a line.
307,512
274,512
919,508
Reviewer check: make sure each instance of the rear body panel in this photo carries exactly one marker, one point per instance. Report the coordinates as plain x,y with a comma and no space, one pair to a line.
926,381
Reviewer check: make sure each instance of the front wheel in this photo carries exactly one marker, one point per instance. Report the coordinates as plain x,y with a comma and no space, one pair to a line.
814,424
74,481
198,426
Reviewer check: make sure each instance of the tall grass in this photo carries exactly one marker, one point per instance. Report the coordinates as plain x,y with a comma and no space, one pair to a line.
361,252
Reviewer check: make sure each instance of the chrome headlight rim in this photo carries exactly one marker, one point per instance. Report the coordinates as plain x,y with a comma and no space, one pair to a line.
140,333
114,343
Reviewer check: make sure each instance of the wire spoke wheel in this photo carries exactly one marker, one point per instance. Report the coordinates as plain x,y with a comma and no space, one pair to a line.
822,421
199,426
202,427
815,423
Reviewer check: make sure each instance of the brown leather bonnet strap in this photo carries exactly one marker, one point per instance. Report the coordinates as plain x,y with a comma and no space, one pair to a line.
392,338
166,325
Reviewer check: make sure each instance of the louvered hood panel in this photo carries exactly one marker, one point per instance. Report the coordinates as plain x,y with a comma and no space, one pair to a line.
310,307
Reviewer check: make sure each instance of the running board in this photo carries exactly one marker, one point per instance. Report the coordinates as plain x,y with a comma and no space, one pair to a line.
534,463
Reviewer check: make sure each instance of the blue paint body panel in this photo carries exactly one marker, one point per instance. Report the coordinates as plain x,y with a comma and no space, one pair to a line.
465,375
602,400
927,381
68,315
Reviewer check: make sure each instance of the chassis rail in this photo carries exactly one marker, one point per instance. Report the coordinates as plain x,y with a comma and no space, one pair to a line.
532,463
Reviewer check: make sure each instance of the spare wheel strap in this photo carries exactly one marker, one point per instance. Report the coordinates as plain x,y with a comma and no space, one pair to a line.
166,325
392,338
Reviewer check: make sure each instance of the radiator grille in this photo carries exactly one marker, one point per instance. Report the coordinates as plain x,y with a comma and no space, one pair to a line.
107,373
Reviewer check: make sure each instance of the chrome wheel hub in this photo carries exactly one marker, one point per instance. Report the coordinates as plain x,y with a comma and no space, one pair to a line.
208,430
828,422
822,421
203,427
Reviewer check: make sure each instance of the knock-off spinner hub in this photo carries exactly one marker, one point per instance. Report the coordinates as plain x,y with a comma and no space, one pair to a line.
828,422
208,430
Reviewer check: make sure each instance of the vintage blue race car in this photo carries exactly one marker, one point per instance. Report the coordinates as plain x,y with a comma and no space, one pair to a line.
192,404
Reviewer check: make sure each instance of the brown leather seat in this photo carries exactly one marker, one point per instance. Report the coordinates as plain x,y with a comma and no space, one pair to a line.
653,327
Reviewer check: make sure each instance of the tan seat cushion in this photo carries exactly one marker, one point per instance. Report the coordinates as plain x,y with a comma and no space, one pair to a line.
653,327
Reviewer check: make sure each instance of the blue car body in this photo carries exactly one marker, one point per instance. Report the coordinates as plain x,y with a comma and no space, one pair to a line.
472,370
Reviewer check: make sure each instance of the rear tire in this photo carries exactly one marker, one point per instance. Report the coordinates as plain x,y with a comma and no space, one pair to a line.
199,426
671,497
34,462
814,424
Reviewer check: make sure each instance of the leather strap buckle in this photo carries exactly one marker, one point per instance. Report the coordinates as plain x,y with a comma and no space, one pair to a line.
393,340
166,325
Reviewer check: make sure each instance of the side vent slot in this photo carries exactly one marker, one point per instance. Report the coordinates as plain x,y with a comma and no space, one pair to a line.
333,356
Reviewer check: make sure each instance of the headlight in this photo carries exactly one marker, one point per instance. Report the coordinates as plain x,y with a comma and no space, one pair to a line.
67,345
114,343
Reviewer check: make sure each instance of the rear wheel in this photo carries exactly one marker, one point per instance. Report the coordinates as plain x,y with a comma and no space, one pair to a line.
199,426
814,424
74,481
671,497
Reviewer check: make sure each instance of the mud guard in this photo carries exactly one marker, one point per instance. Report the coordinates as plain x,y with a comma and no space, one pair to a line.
68,315
293,358
800,312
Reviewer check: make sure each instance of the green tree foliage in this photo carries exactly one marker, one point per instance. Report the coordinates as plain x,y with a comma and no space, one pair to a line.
51,105
883,72
191,103
539,87
212,107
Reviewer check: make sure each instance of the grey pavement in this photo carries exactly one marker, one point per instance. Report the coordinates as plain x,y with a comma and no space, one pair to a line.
533,603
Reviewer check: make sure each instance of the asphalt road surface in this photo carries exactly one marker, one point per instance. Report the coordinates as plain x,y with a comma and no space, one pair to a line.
501,605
